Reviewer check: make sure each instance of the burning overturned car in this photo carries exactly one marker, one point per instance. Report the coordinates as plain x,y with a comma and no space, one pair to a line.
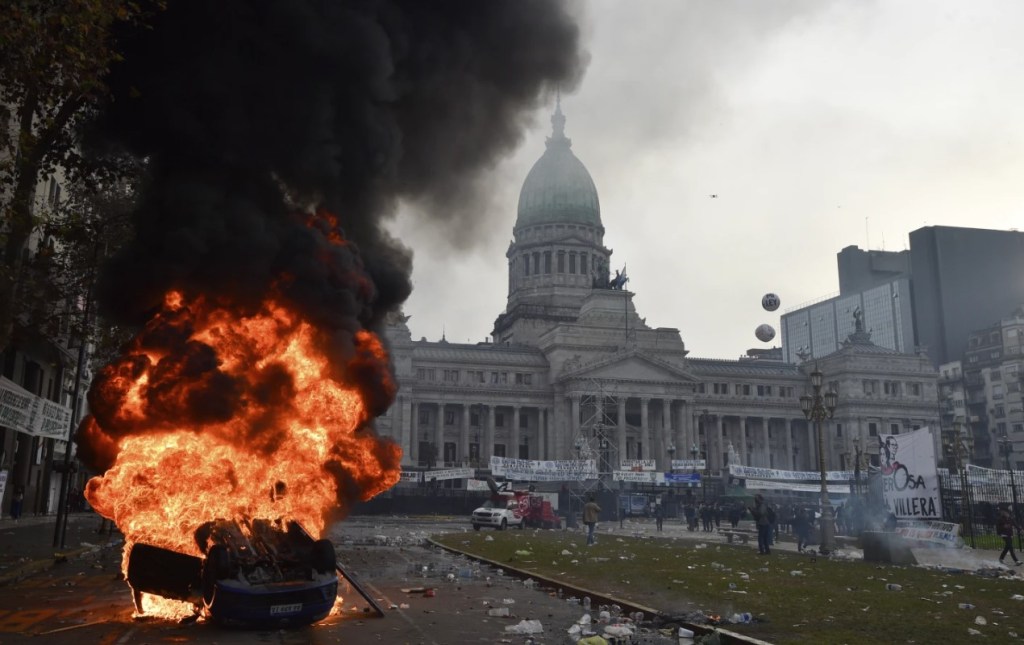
254,574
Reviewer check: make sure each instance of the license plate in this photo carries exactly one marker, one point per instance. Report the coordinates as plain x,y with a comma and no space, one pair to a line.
285,609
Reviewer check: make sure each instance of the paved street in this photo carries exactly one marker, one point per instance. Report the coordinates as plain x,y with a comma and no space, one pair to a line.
84,600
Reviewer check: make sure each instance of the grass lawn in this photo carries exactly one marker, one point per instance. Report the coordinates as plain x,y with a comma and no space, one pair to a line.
829,601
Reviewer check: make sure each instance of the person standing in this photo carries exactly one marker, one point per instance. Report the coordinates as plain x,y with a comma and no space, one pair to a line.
659,515
591,511
17,502
802,529
1005,526
764,525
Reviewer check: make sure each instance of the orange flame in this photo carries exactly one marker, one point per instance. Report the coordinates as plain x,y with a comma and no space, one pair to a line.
236,416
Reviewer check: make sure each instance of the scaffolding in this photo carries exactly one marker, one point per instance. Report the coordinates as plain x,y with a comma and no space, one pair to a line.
597,439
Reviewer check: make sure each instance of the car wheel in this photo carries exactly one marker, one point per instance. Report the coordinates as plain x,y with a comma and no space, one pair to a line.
216,567
323,557
476,527
504,524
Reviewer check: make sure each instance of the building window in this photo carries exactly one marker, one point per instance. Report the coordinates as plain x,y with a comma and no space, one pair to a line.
872,429
746,389
760,390
494,378
547,262
914,389
583,263
503,377
839,430
526,264
894,428
499,450
524,421
519,378
572,263
474,419
995,375
561,261
1001,428
425,374
527,379
700,388
499,419
999,411
1018,427
891,388
449,417
424,417
451,376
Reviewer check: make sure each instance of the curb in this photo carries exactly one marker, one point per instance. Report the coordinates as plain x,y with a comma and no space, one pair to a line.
728,637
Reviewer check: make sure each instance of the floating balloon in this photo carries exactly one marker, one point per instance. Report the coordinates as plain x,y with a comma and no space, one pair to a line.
764,333
770,302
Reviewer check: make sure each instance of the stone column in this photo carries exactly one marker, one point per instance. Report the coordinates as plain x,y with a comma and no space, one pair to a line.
645,431
621,430
788,426
513,434
766,436
405,430
574,421
464,434
742,448
487,418
719,439
414,440
439,433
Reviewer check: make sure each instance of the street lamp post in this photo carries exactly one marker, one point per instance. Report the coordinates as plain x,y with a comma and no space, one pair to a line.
819,407
856,464
1006,448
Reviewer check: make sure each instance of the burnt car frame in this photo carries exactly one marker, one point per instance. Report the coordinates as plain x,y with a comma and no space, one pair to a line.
258,573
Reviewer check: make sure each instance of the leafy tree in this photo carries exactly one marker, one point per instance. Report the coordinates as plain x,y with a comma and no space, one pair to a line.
53,58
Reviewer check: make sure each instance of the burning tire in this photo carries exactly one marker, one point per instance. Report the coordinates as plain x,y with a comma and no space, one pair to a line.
217,566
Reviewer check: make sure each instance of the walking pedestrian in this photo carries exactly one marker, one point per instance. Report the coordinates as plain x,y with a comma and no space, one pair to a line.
802,529
17,502
590,514
659,515
764,525
1005,527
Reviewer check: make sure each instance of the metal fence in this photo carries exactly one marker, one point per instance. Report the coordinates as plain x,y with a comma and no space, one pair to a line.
973,498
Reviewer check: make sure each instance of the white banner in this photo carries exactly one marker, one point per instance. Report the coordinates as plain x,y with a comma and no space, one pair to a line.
411,477
25,412
688,464
910,482
930,533
3,483
987,485
752,472
448,473
638,465
532,470
477,485
765,484
639,477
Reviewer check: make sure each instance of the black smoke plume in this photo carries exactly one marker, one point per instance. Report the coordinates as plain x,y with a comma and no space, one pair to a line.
250,113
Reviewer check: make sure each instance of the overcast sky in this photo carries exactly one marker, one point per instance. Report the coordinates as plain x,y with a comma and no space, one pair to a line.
818,125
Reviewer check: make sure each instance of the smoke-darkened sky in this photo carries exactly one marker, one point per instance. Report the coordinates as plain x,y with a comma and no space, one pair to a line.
818,124
249,111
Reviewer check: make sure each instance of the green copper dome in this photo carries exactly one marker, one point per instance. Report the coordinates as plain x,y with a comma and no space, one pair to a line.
558,188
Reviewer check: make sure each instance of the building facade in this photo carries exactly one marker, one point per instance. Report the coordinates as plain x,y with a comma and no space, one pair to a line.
930,298
573,370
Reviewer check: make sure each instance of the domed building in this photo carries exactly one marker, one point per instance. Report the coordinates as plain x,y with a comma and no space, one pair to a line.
572,371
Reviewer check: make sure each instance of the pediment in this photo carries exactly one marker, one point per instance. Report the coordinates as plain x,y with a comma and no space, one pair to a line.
633,367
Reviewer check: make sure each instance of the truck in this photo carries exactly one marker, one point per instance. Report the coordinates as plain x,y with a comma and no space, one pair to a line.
520,508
